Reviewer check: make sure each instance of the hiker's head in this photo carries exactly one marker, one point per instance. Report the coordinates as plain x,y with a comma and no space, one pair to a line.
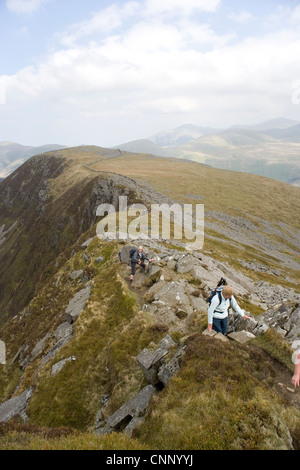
140,249
227,292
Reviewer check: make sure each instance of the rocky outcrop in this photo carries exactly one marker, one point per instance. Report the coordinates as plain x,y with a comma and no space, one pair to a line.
128,416
16,406
151,362
77,303
283,318
2,352
158,372
57,367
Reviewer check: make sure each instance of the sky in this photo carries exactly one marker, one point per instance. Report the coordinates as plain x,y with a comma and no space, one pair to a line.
99,72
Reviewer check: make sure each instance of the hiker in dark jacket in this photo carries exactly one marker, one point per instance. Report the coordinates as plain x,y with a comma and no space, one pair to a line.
138,258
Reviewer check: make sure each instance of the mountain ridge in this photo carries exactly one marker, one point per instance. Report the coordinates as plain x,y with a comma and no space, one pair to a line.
79,373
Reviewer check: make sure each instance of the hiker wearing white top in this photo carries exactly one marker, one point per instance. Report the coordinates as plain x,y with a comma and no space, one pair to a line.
296,376
218,312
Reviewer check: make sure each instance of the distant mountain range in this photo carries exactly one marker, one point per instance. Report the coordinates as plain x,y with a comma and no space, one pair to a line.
12,155
270,149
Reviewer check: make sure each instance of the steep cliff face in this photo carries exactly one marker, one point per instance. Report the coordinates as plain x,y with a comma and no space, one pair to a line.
37,224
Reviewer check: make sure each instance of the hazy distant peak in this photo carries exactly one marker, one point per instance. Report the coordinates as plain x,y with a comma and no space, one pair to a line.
277,123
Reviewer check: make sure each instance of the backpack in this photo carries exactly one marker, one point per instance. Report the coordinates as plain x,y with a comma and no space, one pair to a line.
132,252
216,291
222,282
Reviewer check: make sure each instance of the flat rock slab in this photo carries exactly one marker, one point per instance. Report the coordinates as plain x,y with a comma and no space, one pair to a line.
15,406
221,337
215,335
77,304
209,333
241,336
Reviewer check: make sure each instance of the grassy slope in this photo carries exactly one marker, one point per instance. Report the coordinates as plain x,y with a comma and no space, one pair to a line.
233,193
228,191
113,330
223,397
106,339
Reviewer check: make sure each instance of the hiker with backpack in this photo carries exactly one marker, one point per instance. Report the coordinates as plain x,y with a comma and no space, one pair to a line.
137,256
220,301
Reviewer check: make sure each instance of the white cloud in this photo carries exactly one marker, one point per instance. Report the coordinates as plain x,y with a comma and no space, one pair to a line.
154,7
241,17
143,68
102,22
295,17
151,63
24,6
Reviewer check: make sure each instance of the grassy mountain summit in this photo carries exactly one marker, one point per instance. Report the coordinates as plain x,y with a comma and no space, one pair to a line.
82,372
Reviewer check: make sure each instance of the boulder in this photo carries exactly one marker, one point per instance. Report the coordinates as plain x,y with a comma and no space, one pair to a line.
59,365
185,264
241,336
153,275
39,346
77,303
124,253
173,294
283,318
87,242
76,274
16,406
167,370
64,330
150,362
122,418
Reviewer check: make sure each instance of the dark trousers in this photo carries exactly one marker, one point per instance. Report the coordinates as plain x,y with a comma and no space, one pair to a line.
220,325
133,266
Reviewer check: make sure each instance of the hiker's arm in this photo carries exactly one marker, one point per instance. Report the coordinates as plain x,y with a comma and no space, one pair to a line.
210,311
296,376
237,308
145,257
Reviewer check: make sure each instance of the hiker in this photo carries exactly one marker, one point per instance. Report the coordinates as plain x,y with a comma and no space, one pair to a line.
218,310
137,257
296,376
